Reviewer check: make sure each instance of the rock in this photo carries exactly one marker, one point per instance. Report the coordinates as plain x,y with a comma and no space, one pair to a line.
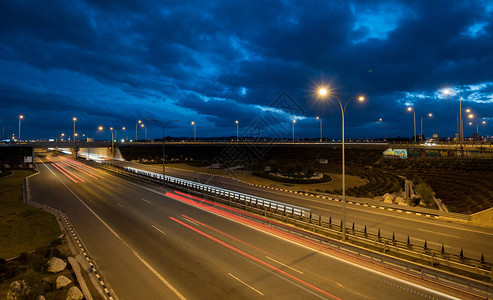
18,290
400,201
62,281
56,265
40,297
388,198
74,294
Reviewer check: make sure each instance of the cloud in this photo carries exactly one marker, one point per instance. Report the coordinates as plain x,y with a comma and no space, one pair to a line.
117,62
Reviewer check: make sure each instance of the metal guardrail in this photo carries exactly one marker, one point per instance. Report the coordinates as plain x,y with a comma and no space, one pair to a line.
296,210
471,274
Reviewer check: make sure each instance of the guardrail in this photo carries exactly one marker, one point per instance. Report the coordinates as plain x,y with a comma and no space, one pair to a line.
279,206
471,274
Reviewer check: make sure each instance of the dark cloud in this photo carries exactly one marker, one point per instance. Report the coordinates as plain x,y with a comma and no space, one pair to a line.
220,61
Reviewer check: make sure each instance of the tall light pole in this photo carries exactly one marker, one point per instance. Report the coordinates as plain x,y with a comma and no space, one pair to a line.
74,119
63,134
421,135
163,125
20,118
323,92
385,126
145,131
461,127
318,118
136,127
237,130
414,113
294,122
194,130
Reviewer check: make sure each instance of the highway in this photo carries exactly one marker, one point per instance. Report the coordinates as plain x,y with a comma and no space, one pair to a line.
474,240
152,243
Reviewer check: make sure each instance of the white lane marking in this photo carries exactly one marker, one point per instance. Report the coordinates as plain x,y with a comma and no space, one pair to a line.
246,284
161,278
119,204
158,229
439,233
190,221
119,188
284,265
146,200
403,282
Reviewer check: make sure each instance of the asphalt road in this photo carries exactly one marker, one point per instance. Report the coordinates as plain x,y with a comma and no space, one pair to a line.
474,240
152,246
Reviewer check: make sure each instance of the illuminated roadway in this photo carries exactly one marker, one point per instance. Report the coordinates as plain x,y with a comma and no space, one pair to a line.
150,246
473,239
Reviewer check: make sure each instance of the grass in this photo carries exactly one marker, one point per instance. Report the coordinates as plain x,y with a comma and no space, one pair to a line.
22,228
336,183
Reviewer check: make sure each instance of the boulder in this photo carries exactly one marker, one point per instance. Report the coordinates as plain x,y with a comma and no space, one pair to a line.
56,265
74,294
18,290
62,281
388,198
400,201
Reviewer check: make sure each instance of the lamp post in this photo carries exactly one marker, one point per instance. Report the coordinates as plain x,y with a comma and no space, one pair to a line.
63,134
237,139
318,118
461,127
421,135
145,131
20,118
323,92
385,126
194,130
74,119
294,122
414,113
136,127
163,125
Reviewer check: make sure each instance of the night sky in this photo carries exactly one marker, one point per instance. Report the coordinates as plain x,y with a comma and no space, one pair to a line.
112,63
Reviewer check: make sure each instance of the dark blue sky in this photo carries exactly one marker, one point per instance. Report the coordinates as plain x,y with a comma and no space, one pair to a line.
111,63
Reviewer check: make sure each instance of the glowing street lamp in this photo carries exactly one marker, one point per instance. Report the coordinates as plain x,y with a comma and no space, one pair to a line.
324,93
461,129
74,119
20,118
414,113
421,135
145,130
136,126
163,125
62,135
294,122
318,118
385,126
237,130
194,130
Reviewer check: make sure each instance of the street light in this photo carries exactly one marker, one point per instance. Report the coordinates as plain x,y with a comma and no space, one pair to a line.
237,130
318,118
136,124
145,131
421,135
74,119
414,113
194,130
294,122
385,126
325,93
63,134
461,129
20,118
163,125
